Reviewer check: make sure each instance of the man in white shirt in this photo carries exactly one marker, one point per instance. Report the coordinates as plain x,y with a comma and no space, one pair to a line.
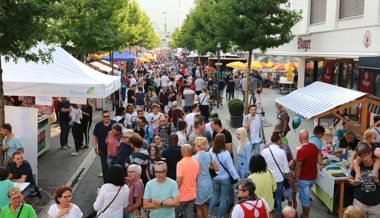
254,126
182,137
132,80
153,117
277,163
164,81
243,87
189,119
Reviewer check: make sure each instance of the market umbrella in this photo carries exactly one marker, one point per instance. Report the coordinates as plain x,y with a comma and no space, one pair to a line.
258,65
150,57
294,64
282,67
272,64
237,65
144,60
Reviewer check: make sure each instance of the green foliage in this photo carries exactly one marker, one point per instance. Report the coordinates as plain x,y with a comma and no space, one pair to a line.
24,24
236,107
174,38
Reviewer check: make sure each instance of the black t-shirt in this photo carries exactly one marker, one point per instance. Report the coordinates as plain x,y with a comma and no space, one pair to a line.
373,147
87,109
182,89
164,98
344,144
209,84
368,193
24,169
226,133
231,86
221,85
172,155
130,94
64,116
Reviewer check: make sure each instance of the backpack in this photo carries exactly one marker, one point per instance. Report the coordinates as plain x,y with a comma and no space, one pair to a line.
169,129
146,135
214,87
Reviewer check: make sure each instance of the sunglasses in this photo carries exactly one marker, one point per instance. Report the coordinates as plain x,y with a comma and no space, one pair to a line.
106,116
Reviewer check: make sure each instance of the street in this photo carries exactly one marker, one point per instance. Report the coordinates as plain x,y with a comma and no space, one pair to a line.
57,167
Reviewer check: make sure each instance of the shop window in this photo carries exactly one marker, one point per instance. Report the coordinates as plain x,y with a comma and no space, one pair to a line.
318,11
351,8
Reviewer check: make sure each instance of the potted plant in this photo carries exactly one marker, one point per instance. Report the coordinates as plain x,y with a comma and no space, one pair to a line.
236,109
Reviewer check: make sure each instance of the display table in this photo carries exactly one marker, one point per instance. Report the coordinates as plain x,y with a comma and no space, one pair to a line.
283,84
21,185
324,190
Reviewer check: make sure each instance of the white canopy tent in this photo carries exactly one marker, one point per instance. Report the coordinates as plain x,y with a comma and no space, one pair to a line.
105,68
65,76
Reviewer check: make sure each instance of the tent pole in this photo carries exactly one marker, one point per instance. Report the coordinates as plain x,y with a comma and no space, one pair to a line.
363,118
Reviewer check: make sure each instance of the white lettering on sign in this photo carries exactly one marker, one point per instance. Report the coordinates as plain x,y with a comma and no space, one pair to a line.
327,77
366,83
304,44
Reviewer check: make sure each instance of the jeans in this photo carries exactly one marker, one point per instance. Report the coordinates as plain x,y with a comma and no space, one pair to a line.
77,132
256,148
231,95
220,190
243,95
29,190
65,130
304,188
111,161
186,208
103,161
204,111
278,197
85,125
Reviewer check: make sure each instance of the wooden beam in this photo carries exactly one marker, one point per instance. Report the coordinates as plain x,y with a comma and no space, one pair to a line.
352,103
373,101
363,118
374,125
346,121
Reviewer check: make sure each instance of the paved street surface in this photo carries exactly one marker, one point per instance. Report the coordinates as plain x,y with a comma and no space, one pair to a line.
57,167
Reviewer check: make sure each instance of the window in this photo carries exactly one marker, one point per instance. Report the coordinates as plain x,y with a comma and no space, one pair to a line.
318,11
351,8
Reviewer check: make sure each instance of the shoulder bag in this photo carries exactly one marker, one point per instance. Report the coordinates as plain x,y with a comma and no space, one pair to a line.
94,213
19,213
233,181
139,212
286,181
211,169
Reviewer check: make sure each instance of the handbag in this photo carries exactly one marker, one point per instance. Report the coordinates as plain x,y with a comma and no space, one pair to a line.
94,213
286,181
233,181
211,170
139,212
71,123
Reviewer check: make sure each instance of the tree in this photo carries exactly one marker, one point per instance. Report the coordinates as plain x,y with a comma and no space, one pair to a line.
24,24
91,26
255,24
174,38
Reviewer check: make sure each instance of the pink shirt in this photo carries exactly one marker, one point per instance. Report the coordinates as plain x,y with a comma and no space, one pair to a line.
112,145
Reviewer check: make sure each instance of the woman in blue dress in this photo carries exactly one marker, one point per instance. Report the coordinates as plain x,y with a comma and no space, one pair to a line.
244,152
204,182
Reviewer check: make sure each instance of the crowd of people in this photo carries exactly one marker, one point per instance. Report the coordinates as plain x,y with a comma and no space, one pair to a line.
166,154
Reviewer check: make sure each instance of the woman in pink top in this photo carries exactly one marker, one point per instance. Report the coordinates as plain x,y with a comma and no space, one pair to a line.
113,144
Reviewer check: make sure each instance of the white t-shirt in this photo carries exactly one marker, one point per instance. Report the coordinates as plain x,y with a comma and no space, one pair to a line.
198,84
150,116
157,81
238,211
208,128
128,117
132,81
203,98
74,212
108,192
189,119
164,80
243,84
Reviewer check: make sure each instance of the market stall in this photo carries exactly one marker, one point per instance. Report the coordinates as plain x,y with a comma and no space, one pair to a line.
316,101
64,76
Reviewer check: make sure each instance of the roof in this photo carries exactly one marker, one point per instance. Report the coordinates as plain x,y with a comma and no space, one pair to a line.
317,98
125,56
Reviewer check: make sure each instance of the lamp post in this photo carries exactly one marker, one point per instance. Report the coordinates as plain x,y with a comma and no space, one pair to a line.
217,79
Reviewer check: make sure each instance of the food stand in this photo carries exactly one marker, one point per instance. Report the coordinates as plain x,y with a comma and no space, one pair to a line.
316,101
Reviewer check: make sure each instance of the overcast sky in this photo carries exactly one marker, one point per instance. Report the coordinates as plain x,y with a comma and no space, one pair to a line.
156,8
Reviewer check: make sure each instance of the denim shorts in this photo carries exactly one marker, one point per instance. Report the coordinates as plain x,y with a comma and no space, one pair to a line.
304,188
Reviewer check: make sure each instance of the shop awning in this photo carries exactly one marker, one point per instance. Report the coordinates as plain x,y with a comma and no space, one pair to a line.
318,99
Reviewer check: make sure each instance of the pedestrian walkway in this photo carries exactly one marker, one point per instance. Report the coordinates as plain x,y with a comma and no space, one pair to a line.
57,167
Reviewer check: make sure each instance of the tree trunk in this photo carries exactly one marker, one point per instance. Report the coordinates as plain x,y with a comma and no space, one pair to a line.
247,82
2,112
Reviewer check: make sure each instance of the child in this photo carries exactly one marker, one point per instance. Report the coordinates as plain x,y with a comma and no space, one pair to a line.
291,194
258,101
370,141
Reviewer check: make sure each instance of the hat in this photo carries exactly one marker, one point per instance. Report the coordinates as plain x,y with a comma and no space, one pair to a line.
155,105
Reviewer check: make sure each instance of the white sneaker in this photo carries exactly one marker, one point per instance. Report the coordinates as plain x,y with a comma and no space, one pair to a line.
75,154
67,145
100,175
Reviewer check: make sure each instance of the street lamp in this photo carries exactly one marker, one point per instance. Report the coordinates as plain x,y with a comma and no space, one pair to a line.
217,79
